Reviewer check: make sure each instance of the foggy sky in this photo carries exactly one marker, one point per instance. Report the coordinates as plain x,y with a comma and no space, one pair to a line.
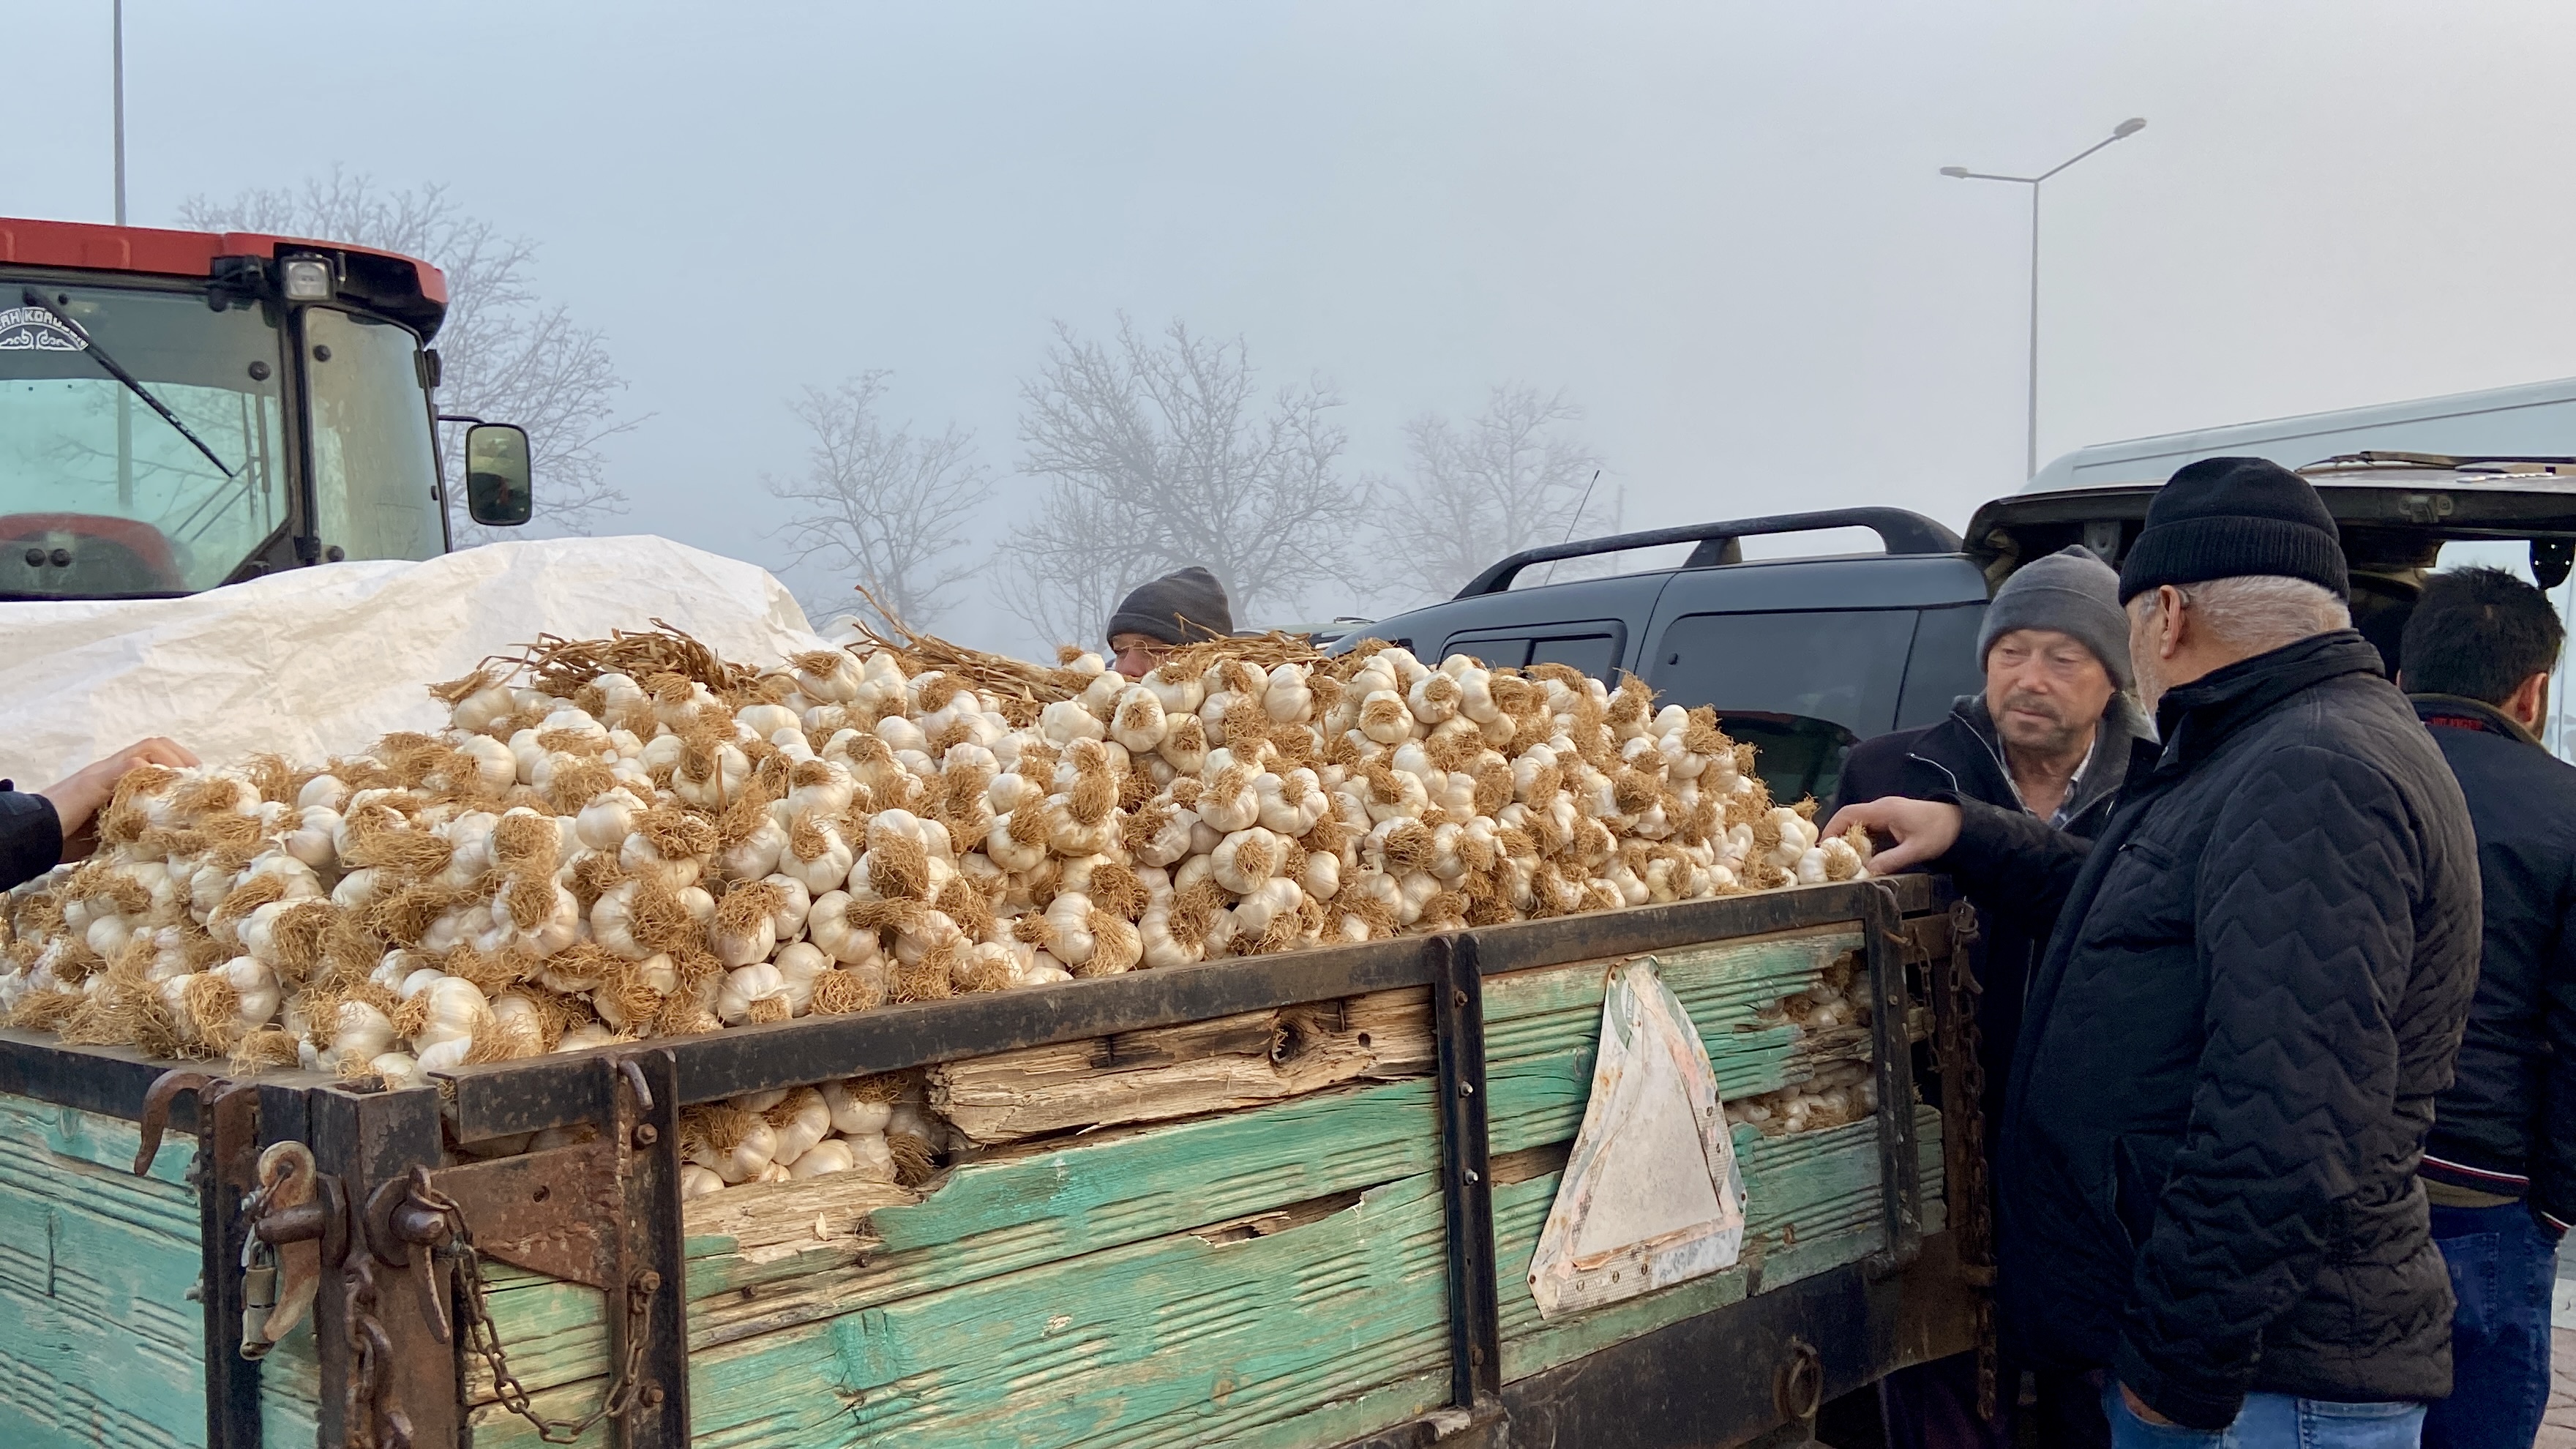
1719,226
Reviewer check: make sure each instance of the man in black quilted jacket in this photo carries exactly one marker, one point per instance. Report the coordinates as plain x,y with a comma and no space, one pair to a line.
2500,1166
2253,990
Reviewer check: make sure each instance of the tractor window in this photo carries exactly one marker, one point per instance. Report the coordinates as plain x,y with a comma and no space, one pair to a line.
100,495
375,476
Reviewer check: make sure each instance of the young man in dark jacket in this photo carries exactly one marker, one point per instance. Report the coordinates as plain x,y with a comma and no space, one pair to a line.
2050,735
2500,1166
2253,989
41,829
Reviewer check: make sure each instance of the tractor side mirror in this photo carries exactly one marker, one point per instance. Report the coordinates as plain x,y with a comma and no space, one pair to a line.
496,475
2550,560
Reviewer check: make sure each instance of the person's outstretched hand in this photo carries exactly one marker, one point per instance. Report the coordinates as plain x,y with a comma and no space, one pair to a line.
79,797
1924,830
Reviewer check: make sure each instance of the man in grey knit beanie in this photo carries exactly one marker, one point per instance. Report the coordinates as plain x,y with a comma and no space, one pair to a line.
2049,735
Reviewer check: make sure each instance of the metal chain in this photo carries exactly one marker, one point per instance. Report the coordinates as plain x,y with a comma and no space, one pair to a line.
1971,1201
371,1418
483,1337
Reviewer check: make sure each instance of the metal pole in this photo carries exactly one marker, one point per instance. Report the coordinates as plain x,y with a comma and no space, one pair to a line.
2030,425
2030,468
119,14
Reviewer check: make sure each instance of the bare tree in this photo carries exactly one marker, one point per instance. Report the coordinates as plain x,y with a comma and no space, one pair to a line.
881,508
1163,454
505,354
1514,477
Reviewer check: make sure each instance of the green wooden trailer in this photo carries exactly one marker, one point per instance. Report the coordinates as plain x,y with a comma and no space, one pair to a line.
1289,1201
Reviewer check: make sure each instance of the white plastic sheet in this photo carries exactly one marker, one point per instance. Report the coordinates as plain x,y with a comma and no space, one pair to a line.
1652,1195
312,662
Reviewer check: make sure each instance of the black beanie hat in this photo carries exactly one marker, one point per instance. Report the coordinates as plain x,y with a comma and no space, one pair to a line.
1177,608
2223,518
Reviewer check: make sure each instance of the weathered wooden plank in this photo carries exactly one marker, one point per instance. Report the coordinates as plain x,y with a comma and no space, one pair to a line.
1175,1341
1000,1215
290,1391
1720,983
98,1342
1535,1100
1183,1071
1811,1206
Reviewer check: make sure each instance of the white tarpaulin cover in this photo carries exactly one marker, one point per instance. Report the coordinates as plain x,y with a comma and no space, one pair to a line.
317,661
1652,1195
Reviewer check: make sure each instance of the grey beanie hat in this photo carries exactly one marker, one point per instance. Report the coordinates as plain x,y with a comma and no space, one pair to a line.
2071,591
1176,608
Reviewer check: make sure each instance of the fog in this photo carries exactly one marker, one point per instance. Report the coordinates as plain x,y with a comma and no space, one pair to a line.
1720,228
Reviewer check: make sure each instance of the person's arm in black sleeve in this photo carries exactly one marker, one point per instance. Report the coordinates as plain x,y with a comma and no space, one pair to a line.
2553,1135
2306,928
31,837
2013,863
38,830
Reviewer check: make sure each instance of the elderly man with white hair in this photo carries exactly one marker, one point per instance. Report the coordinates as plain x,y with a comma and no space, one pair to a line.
2253,990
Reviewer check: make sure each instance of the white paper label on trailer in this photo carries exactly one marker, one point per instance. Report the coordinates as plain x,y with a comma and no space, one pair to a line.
1652,1195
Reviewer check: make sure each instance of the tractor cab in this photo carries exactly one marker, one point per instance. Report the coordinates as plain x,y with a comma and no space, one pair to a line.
183,410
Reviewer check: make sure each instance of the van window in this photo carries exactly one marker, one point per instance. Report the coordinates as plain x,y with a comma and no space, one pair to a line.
1944,664
1592,654
1492,653
1595,652
1845,665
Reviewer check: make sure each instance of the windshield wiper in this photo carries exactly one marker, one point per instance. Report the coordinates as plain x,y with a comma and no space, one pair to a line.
90,345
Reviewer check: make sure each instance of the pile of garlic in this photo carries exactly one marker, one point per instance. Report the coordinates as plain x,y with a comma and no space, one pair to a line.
634,857
1832,1013
876,1127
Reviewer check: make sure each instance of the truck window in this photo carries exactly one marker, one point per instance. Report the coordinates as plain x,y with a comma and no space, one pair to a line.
1846,665
1943,666
374,488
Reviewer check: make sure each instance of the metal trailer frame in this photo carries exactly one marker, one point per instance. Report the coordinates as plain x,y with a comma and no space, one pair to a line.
389,1329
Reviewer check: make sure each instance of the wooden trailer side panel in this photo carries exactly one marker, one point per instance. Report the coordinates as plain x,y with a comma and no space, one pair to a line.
1208,1278
1812,1198
100,1344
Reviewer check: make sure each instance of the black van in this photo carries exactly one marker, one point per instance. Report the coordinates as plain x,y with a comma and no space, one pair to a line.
1806,656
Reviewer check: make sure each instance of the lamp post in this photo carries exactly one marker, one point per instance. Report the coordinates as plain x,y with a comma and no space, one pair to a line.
2120,132
118,21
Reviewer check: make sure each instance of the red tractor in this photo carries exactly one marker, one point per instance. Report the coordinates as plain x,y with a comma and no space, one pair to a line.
181,410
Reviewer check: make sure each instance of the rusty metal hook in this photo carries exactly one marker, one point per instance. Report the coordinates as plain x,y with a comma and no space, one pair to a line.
165,1089
633,1071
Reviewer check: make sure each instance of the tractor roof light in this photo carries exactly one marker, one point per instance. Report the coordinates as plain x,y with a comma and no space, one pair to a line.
306,279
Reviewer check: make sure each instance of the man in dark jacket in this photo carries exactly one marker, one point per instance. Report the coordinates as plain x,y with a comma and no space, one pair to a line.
2050,736
41,830
2253,989
2500,1166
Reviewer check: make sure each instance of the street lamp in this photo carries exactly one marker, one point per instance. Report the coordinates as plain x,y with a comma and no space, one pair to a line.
118,20
2120,132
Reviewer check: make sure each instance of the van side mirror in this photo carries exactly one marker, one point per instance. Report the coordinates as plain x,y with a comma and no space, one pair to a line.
496,475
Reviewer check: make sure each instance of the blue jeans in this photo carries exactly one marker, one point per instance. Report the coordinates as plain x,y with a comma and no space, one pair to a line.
2275,1421
2502,1263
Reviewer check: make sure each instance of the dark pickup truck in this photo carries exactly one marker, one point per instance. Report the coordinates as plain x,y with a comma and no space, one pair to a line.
1805,656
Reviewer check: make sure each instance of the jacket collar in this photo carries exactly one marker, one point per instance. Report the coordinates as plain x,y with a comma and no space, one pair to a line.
2196,718
2461,712
2123,725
